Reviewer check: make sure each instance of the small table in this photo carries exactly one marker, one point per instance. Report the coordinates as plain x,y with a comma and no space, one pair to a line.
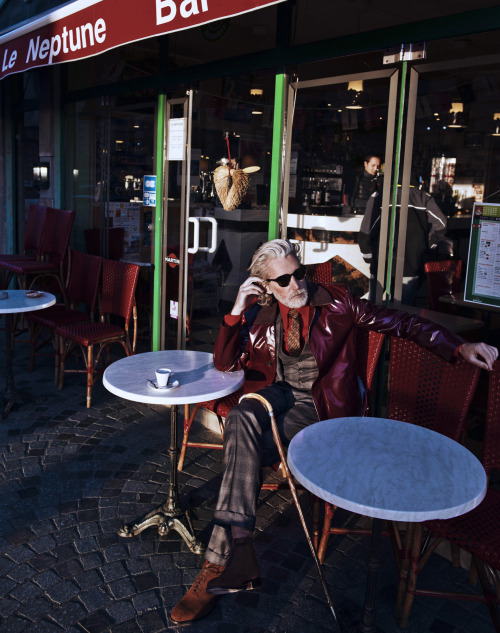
198,381
17,302
386,469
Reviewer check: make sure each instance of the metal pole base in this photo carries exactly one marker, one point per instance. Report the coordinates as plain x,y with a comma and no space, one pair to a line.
166,520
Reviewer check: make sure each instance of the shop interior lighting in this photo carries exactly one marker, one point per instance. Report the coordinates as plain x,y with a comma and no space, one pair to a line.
496,118
256,92
41,175
357,88
457,115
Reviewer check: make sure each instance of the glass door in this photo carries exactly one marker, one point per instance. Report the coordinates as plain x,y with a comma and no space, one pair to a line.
339,151
208,243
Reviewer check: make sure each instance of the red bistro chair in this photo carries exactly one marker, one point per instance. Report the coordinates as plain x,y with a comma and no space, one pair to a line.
85,273
443,277
54,247
477,532
119,281
32,236
32,249
369,346
429,391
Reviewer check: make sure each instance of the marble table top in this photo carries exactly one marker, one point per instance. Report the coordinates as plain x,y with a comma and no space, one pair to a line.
198,379
387,469
17,301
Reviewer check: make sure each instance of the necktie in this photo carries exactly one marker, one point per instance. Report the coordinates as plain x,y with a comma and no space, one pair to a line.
293,334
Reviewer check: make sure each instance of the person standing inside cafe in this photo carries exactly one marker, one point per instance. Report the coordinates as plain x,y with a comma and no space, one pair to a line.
296,342
364,185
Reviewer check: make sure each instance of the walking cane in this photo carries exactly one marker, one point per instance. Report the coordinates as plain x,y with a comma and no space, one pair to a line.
293,489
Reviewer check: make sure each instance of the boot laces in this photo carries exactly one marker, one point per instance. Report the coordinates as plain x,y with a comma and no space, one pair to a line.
202,579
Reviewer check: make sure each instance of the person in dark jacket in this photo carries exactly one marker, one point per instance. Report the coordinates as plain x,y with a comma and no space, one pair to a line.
298,350
364,185
425,232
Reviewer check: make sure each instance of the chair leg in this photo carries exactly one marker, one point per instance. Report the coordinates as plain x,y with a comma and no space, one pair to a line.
490,596
315,512
90,374
57,356
327,521
188,421
63,350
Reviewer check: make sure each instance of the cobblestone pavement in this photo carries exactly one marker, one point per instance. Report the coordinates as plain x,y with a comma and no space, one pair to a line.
70,476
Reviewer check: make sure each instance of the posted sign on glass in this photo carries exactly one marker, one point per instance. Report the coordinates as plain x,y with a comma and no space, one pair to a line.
482,283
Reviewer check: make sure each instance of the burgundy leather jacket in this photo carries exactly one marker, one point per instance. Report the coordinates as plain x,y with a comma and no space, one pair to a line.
251,345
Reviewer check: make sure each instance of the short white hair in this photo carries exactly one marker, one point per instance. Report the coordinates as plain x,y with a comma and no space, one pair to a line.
275,249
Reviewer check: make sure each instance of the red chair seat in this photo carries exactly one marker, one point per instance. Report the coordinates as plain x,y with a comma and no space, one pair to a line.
21,267
90,333
222,406
57,316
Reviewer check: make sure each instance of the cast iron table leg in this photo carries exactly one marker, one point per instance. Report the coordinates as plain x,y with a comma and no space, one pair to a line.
367,623
170,515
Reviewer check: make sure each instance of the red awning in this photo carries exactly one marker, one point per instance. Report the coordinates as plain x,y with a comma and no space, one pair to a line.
88,27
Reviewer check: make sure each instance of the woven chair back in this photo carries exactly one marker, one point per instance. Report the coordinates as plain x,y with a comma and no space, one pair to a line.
94,237
34,230
368,348
56,232
491,451
119,281
426,390
84,279
443,278
320,273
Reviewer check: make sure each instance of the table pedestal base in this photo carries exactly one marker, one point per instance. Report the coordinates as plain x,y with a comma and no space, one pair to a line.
166,520
13,398
170,515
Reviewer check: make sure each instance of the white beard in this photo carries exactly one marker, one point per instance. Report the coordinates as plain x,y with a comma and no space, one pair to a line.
298,300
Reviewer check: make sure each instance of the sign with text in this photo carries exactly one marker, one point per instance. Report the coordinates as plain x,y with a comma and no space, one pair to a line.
176,144
482,282
88,27
149,191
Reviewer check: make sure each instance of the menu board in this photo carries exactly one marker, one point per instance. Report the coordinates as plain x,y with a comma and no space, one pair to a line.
482,282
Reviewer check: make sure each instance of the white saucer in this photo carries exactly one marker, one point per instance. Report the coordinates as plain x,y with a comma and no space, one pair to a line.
174,385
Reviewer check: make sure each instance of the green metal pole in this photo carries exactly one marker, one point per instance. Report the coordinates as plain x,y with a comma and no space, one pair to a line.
397,158
276,160
158,224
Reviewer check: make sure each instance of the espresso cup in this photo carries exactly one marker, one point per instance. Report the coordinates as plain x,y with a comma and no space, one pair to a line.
162,376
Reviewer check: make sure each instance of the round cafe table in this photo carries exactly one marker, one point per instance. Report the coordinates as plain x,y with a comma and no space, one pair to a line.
15,303
198,381
386,469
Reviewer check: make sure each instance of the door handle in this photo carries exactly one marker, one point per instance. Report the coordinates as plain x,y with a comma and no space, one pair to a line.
196,235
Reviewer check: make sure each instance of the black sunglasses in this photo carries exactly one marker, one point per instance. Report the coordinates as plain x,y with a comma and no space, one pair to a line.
284,280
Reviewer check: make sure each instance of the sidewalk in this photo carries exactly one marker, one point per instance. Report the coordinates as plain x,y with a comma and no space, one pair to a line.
70,476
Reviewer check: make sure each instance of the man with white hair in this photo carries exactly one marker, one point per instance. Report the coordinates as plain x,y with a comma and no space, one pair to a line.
296,342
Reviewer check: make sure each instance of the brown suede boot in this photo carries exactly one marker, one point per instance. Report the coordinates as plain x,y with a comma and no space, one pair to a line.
241,573
197,603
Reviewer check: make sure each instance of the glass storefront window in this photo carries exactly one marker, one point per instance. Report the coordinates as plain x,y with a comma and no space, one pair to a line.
455,151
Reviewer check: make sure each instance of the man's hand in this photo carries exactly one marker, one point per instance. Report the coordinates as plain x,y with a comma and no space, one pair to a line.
253,286
479,354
